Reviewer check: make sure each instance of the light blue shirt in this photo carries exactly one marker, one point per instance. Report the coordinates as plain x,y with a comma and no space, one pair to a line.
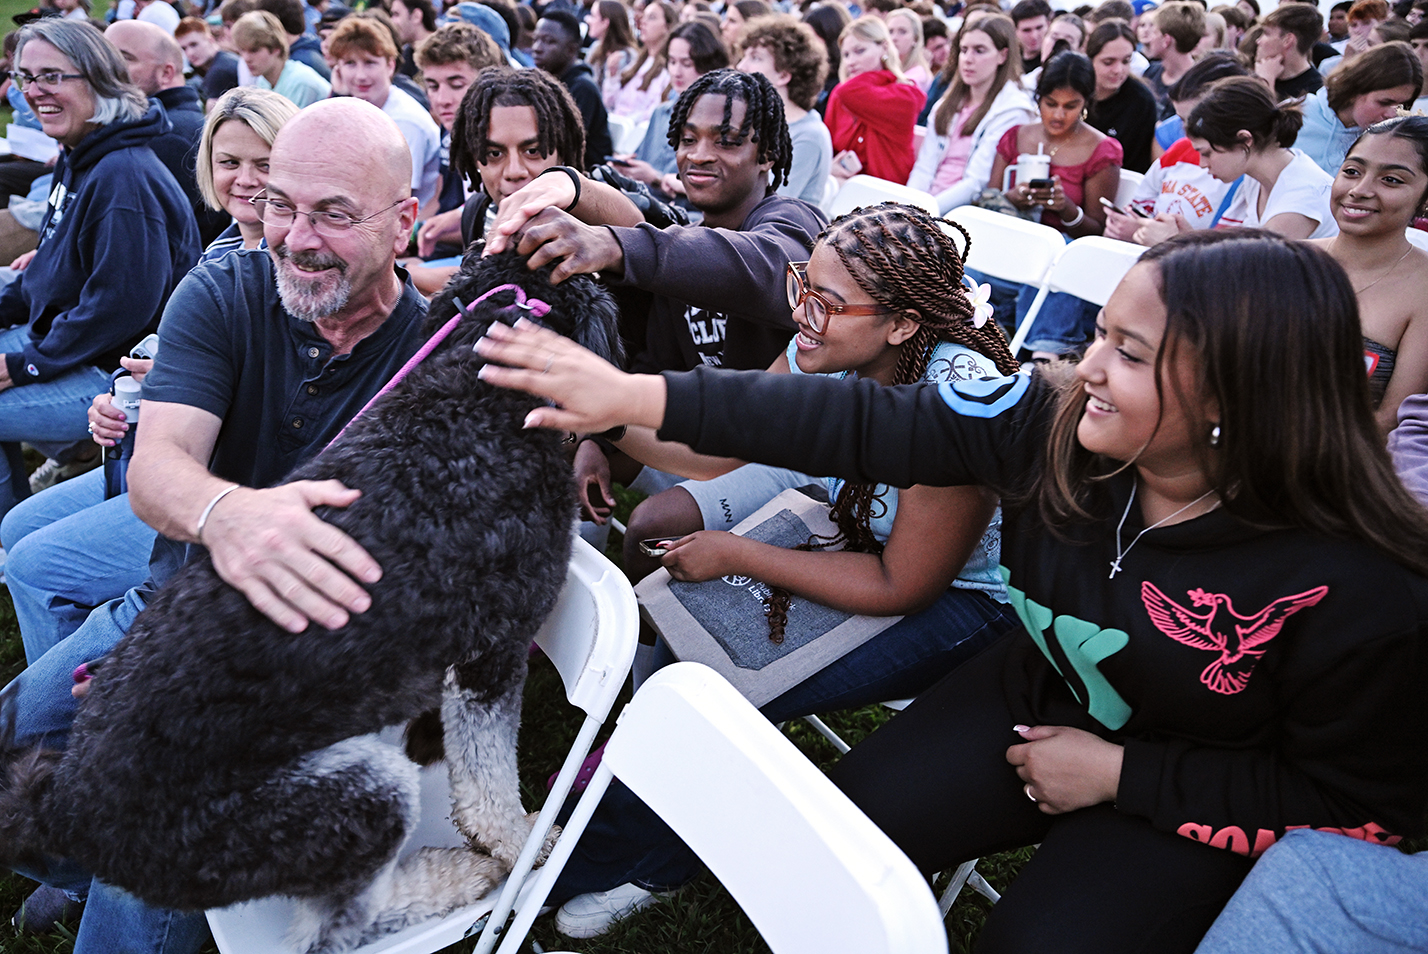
1324,137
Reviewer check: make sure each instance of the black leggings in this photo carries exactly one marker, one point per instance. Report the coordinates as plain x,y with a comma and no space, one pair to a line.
937,781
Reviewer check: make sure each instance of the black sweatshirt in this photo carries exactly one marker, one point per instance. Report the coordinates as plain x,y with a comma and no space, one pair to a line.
719,295
1259,680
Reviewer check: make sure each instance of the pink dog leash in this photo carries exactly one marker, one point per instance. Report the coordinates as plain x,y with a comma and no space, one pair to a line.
535,306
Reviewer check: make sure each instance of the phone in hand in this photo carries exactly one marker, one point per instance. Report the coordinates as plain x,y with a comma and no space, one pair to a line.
654,547
616,161
1040,185
1115,208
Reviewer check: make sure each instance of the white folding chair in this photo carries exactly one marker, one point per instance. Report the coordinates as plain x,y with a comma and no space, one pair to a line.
1007,247
620,128
966,873
590,637
1089,268
870,190
1418,237
811,871
632,138
1125,191
830,192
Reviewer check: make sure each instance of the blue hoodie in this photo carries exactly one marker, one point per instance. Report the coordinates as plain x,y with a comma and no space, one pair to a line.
1324,136
118,236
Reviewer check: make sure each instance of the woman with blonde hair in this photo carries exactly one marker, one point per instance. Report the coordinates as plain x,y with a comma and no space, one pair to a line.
232,164
871,113
983,102
905,28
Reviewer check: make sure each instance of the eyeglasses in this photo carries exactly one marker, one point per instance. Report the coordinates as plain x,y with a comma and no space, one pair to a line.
281,213
816,308
48,80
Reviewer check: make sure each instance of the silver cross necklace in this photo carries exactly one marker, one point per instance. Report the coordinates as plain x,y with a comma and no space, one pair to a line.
1122,554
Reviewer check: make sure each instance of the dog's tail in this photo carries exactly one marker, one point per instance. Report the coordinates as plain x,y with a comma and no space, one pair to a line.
26,778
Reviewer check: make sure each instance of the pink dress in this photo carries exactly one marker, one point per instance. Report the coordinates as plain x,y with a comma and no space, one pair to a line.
1108,152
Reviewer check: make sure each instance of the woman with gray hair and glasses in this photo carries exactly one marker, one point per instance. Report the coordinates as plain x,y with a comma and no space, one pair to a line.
117,237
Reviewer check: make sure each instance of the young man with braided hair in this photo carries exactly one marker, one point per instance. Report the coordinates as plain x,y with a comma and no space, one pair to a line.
718,288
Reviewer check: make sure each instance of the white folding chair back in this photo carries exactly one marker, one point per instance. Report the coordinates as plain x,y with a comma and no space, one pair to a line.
1089,268
1126,190
1007,247
590,637
620,129
812,872
870,190
1418,237
830,192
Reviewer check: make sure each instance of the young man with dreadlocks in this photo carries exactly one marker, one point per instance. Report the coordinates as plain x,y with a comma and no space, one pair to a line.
882,297
519,134
718,288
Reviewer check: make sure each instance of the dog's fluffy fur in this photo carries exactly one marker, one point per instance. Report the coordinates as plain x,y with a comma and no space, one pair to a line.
218,758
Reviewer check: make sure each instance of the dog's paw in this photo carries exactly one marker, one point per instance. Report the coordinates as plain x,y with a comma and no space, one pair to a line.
550,839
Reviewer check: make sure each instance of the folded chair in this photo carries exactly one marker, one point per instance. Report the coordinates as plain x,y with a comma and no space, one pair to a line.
590,637
811,871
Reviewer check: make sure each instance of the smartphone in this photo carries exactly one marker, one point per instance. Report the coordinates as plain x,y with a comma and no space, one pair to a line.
620,162
1115,208
653,548
1040,185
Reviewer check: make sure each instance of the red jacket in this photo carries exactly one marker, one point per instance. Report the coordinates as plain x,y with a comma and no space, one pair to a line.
873,115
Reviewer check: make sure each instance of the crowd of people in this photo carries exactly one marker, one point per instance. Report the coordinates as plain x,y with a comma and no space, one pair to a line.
1161,590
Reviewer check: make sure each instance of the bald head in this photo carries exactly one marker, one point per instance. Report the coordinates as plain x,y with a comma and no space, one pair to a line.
353,139
153,57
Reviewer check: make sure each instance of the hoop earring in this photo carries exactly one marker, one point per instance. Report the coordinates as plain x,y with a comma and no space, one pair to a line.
1215,436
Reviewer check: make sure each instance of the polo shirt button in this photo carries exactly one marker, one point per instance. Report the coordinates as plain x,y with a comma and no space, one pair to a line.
313,352
312,389
297,422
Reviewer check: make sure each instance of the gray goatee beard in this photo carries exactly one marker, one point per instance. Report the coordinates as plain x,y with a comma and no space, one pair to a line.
311,299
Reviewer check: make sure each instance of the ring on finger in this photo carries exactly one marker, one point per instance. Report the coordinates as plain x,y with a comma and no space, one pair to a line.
1027,789
91,428
548,362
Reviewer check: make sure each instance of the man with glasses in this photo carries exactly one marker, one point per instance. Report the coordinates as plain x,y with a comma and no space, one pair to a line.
264,356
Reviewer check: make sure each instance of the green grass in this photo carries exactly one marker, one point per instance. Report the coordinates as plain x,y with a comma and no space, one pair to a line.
700,919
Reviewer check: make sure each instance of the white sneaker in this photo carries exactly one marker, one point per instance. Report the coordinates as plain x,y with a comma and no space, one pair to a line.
52,472
590,915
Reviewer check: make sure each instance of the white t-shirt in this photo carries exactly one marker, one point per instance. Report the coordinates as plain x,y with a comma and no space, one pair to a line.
1176,185
1302,187
160,14
423,137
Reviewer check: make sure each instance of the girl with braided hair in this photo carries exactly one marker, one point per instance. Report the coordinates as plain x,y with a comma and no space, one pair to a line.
881,297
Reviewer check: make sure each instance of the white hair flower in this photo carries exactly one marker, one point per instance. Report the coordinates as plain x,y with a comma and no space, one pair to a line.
981,297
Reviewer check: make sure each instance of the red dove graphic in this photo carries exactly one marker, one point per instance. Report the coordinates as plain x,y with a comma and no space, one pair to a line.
1240,640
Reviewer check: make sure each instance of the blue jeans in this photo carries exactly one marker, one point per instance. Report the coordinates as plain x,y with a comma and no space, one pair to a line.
627,842
114,922
1317,891
69,551
53,412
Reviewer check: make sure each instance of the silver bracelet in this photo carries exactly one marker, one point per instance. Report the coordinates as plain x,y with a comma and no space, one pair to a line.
1080,214
203,517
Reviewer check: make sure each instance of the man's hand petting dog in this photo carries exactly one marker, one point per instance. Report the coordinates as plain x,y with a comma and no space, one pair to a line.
591,393
578,249
294,567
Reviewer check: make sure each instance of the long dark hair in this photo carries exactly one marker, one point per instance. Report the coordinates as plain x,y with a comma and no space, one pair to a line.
619,35
1244,104
905,260
1411,129
1283,362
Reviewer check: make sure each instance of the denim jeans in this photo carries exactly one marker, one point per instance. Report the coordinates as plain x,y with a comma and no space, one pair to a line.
1319,891
627,842
69,551
53,412
114,922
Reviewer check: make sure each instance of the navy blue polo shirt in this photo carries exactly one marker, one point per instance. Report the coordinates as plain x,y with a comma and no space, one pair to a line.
227,345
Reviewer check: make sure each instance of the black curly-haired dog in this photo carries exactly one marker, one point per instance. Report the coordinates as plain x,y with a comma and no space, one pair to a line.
218,758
